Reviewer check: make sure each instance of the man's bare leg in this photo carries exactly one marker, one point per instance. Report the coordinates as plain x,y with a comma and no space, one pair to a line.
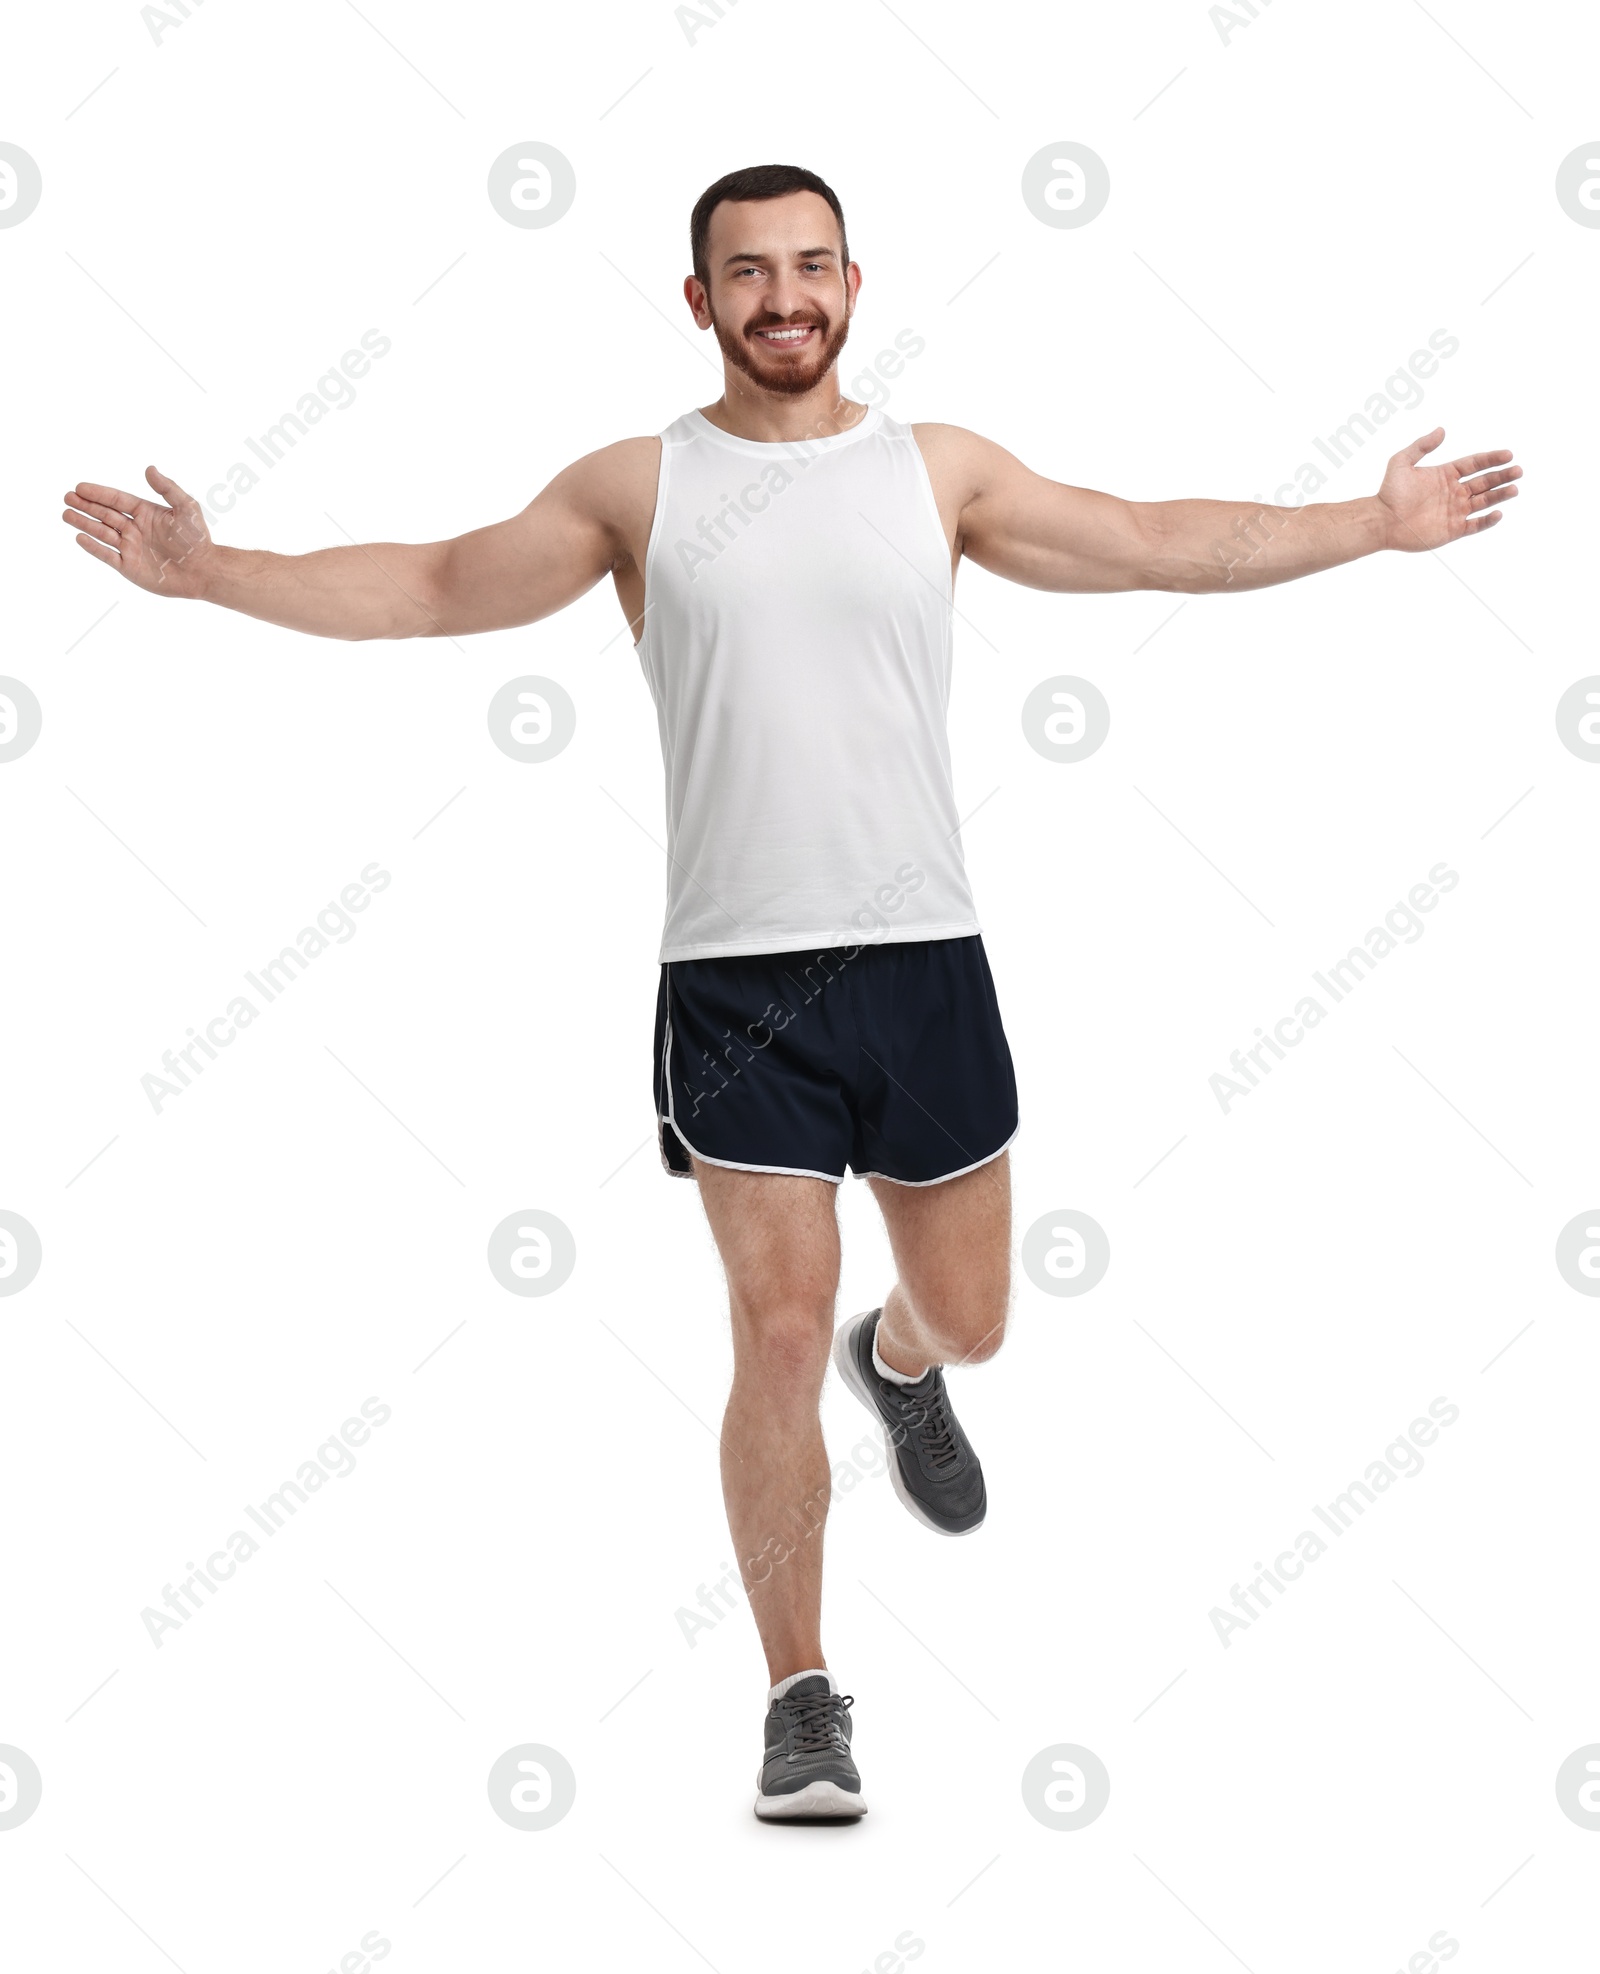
952,1250
778,1237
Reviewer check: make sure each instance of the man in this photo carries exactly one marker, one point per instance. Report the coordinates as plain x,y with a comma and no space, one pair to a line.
787,558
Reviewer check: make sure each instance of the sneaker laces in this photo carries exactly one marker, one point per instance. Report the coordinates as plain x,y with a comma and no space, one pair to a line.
929,1417
816,1722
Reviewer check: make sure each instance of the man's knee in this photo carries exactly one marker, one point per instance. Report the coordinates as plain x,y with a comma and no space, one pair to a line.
784,1339
969,1327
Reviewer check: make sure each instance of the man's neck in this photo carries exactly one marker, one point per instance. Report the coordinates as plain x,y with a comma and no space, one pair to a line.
748,413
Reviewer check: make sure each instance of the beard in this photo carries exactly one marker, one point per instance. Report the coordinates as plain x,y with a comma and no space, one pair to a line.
784,376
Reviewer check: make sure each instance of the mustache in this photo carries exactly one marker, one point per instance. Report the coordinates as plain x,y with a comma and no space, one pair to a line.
789,322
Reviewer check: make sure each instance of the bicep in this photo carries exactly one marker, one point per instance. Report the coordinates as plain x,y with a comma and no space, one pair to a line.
519,570
1048,535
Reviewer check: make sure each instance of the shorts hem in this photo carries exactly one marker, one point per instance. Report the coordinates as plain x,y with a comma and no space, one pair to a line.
737,1165
959,1173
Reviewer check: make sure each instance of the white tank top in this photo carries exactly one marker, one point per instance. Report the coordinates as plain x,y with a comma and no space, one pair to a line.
797,645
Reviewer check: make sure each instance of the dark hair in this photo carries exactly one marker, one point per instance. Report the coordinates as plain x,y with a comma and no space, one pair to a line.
755,182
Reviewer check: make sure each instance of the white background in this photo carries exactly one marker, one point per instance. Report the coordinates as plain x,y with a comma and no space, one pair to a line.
306,1759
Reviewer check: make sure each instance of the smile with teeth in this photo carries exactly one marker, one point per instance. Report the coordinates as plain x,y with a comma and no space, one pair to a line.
787,337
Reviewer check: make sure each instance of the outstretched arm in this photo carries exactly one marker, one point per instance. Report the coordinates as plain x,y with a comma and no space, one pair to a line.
512,573
1049,536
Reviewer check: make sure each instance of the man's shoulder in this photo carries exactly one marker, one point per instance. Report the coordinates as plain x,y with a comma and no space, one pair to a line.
951,441
624,460
612,482
959,461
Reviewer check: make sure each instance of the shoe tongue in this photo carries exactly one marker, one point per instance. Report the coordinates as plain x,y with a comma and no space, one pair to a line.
803,1689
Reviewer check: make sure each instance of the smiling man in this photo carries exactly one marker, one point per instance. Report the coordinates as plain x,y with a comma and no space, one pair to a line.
787,560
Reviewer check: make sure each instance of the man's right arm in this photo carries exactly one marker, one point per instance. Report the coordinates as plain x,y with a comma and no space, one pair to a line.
495,578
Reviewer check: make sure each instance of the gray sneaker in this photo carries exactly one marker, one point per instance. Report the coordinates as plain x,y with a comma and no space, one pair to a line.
808,1771
931,1461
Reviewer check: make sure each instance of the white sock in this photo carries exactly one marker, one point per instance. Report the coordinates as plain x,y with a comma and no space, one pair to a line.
888,1371
813,1672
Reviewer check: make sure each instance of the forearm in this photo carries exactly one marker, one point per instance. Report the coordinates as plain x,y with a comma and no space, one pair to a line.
376,590
1199,546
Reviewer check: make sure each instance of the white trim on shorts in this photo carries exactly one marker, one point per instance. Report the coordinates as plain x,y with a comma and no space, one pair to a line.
943,1176
728,1164
790,1171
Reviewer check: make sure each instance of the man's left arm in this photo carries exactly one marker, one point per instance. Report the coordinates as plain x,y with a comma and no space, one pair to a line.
1047,535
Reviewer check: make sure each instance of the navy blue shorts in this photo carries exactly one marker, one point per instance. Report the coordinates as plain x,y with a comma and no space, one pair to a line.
889,1058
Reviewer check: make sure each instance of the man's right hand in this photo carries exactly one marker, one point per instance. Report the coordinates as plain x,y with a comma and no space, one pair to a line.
163,549
593,519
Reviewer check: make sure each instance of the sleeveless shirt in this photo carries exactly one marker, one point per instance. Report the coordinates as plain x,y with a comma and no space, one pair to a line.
797,642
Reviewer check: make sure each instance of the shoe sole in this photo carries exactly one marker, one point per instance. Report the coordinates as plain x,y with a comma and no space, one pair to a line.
823,1799
845,1364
